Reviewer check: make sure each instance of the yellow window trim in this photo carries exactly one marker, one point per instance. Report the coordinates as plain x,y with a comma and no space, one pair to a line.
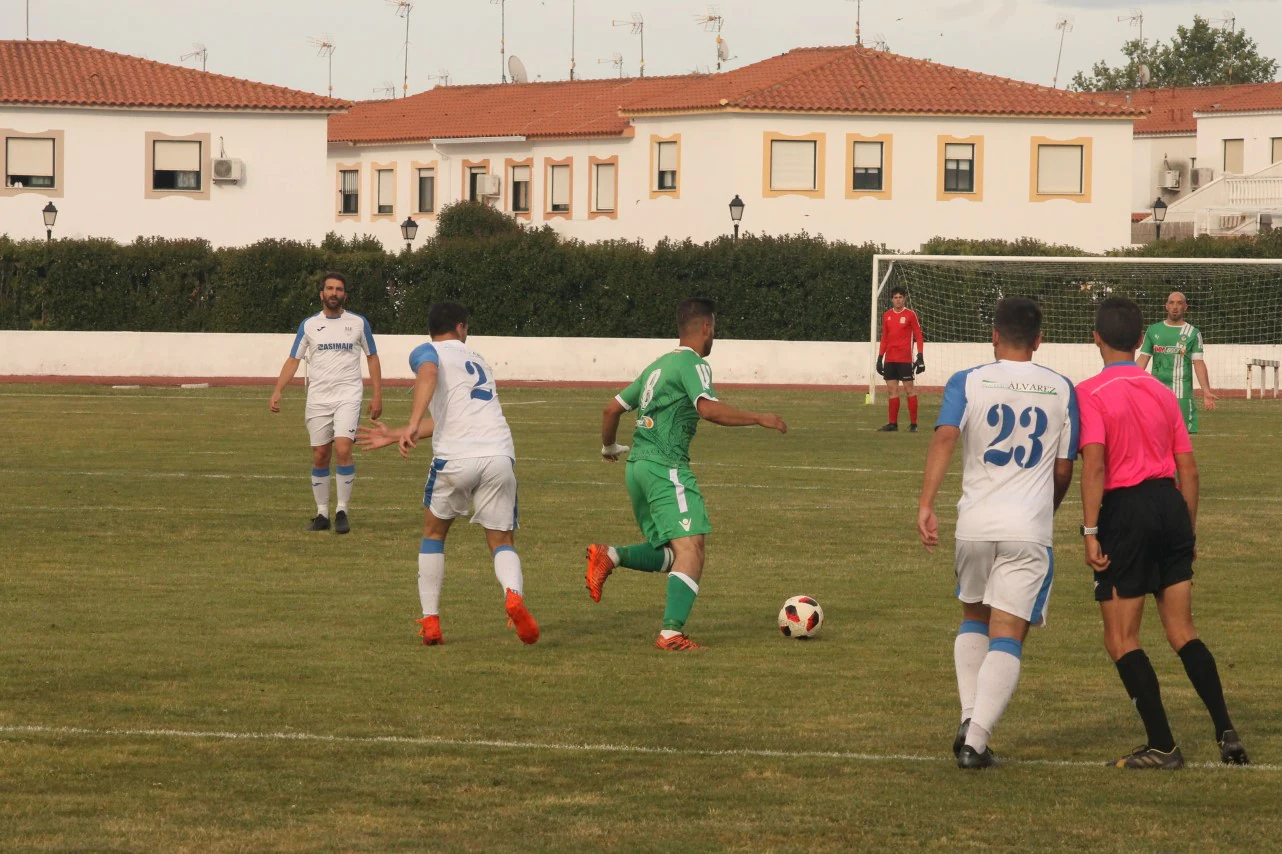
977,195
1087,143
887,141
821,158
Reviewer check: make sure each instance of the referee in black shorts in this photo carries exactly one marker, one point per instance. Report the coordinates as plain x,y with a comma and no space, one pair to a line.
1138,527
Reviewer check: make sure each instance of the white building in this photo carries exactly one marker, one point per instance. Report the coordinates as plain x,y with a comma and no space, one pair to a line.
124,147
850,143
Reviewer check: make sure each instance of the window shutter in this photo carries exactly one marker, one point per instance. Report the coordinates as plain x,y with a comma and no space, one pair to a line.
605,186
351,181
1233,156
176,156
520,173
386,187
560,185
868,155
1059,169
792,164
28,156
959,151
667,157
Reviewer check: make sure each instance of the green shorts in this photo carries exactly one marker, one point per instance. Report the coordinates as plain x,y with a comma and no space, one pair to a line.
666,501
1189,409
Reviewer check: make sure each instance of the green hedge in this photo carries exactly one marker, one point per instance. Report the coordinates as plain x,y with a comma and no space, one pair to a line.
517,282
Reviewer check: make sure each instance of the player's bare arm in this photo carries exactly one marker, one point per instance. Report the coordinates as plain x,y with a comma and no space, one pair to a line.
1142,360
424,388
937,460
1093,471
376,386
611,450
729,416
287,372
1204,380
1063,480
380,435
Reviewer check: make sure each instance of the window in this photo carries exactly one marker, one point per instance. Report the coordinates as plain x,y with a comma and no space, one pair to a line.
666,157
520,189
29,162
603,187
426,190
1233,156
1276,156
868,166
385,183
559,189
792,164
959,168
349,192
176,165
473,175
1059,170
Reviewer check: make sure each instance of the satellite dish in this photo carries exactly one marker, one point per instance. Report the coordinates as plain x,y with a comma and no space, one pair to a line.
516,68
723,50
1145,76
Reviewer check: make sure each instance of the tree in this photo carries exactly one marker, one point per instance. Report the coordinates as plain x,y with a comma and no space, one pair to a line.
1200,55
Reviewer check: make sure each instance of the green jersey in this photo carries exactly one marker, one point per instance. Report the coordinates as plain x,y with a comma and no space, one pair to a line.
1173,350
666,397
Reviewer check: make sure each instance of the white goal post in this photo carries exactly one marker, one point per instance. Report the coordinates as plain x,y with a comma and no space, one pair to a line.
1235,302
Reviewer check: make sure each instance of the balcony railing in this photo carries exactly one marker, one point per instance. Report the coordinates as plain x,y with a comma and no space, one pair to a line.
1254,192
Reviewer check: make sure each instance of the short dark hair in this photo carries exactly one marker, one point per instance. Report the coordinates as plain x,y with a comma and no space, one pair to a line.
443,317
325,277
695,309
899,289
1018,321
1119,323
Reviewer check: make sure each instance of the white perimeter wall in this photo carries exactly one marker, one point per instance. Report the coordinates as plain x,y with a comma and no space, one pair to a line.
165,354
287,191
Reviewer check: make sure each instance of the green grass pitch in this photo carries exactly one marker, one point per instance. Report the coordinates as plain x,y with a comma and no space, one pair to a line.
184,668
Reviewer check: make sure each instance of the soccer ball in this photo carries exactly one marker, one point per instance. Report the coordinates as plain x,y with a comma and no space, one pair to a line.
801,618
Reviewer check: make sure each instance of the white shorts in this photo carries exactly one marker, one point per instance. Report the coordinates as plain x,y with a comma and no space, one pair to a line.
484,486
1014,577
327,420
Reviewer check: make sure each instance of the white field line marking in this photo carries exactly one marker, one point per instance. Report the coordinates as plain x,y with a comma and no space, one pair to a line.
242,398
555,747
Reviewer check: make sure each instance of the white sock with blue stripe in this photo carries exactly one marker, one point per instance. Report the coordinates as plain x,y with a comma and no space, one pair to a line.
969,650
998,678
346,476
431,575
507,568
320,490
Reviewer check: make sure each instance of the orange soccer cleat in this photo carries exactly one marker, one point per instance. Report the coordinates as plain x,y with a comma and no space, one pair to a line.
677,643
429,629
599,568
520,618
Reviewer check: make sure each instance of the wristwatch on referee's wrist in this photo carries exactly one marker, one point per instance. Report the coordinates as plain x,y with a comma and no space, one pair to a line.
1090,532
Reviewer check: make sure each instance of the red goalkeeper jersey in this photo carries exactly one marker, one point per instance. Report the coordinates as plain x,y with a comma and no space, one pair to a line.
898,329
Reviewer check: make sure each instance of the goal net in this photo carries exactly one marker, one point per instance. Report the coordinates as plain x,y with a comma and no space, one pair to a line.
1235,303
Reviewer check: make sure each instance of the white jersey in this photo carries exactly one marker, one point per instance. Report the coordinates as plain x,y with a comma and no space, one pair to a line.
332,347
1016,419
465,408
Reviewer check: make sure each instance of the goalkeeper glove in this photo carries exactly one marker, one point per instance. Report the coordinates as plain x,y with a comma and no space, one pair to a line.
881,366
921,363
613,452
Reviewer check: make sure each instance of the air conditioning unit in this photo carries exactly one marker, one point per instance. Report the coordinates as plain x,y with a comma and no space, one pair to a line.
1202,176
228,170
1171,179
487,185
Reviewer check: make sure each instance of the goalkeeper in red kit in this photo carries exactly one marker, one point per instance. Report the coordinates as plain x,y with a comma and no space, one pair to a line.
899,328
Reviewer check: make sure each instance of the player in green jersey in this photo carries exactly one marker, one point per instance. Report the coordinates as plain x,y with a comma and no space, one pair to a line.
670,396
1174,346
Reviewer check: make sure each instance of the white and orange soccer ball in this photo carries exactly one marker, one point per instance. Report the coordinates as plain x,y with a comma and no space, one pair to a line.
801,618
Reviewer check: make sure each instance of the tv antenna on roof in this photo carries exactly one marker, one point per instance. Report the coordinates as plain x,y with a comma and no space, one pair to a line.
616,59
200,51
516,68
502,4
403,9
859,14
712,21
443,75
879,43
1064,25
1136,19
723,52
325,47
1229,18
573,20
638,29
387,90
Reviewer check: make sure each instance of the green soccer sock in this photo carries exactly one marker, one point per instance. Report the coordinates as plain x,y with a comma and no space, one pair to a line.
644,557
682,590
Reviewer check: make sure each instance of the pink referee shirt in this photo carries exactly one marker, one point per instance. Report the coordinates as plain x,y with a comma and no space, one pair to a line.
1136,419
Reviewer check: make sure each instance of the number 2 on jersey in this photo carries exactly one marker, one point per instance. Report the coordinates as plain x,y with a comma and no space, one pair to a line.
1024,457
479,391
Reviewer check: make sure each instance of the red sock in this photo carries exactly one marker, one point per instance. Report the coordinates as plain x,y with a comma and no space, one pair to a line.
894,410
912,408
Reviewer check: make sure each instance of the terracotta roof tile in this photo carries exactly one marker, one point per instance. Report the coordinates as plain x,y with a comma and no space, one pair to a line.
1171,110
61,73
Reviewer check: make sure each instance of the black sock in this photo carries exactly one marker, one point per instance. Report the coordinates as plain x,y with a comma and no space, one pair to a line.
1199,664
1141,683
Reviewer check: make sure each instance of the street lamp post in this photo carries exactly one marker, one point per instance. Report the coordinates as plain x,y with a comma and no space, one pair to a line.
51,216
409,229
736,213
1159,214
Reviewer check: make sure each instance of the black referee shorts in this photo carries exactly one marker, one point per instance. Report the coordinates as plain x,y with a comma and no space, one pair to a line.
1146,532
902,371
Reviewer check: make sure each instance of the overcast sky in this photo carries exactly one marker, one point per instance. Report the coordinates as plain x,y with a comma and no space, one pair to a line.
267,40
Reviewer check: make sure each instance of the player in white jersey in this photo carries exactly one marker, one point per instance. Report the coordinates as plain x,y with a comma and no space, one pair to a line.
472,466
332,343
1018,423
